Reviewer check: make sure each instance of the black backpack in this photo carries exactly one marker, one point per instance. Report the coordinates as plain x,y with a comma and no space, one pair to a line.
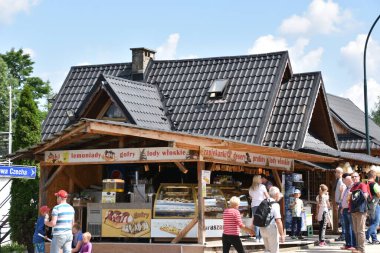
262,217
372,200
358,202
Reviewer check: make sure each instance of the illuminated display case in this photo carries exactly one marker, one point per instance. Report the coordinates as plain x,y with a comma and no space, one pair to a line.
244,208
174,201
215,202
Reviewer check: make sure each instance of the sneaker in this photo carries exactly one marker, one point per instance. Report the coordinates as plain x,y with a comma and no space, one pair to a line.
294,237
368,241
322,244
347,248
301,237
339,239
375,242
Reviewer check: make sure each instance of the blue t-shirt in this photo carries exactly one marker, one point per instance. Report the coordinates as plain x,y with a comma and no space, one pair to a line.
40,228
77,238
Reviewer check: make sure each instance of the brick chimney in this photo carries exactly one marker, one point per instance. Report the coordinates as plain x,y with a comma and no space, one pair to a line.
140,59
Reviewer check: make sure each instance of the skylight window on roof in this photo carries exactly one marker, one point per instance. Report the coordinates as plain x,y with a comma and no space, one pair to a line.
217,88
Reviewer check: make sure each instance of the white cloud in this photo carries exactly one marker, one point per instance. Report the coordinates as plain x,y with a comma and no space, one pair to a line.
352,57
169,49
10,8
322,17
356,94
301,61
29,51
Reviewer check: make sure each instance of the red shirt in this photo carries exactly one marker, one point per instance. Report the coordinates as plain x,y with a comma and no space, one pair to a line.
359,186
231,221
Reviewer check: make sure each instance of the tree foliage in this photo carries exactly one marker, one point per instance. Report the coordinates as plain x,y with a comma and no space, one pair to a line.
375,114
23,211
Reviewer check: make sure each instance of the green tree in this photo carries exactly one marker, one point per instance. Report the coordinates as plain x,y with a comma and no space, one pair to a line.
375,114
20,65
23,210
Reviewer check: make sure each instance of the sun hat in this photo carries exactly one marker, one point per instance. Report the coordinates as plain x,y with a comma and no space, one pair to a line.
297,191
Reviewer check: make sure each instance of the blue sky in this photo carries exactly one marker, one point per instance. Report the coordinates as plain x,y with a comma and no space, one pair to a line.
321,35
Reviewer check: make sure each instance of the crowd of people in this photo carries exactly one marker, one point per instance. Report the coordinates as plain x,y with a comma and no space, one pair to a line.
67,235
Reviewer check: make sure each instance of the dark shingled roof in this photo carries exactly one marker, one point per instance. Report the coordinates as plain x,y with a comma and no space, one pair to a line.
77,84
292,111
141,100
353,143
244,111
347,113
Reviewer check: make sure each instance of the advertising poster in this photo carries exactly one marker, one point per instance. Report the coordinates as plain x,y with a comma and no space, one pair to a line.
170,228
126,223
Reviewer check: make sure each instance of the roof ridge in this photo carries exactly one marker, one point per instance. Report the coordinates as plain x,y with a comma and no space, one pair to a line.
224,57
128,80
95,65
307,73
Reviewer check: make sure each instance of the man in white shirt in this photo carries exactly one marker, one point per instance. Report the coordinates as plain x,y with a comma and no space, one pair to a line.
339,188
273,234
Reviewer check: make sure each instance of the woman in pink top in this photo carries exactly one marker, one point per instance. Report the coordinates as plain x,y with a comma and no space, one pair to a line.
232,224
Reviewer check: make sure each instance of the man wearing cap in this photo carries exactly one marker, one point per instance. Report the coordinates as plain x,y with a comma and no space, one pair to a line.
339,188
62,221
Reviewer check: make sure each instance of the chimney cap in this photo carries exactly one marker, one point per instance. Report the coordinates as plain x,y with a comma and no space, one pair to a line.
143,49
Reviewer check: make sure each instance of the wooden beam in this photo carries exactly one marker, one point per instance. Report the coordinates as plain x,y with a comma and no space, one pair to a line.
181,167
119,162
185,230
201,207
75,180
68,135
52,177
115,130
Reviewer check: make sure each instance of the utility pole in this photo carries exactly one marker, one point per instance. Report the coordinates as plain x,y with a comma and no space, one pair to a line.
10,121
365,89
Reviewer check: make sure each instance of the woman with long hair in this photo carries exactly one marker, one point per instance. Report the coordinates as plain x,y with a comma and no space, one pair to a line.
323,206
258,193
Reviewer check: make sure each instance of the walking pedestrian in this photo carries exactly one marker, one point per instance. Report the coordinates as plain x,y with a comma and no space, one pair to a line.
339,188
232,224
62,220
346,213
373,208
358,206
323,206
258,193
274,233
39,231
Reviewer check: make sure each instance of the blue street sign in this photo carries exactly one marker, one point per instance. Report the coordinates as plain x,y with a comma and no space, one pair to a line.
14,171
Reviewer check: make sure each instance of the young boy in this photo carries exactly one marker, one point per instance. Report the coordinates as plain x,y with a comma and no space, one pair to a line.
297,209
38,241
87,245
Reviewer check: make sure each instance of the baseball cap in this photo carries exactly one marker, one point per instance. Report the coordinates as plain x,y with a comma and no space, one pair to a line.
44,209
297,191
62,194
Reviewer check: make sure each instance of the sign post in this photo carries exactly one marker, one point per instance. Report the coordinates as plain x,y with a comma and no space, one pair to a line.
15,171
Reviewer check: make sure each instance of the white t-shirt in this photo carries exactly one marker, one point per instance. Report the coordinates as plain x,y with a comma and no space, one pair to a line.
257,195
275,212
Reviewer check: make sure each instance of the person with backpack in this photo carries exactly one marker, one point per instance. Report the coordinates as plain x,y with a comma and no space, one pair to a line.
268,215
349,235
232,224
258,193
323,206
373,208
358,207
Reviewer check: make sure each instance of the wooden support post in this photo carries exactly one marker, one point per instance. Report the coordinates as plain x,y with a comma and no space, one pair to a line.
277,178
41,192
201,207
121,141
185,230
181,167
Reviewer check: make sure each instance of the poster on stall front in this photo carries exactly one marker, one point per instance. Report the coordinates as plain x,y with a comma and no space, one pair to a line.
170,228
126,223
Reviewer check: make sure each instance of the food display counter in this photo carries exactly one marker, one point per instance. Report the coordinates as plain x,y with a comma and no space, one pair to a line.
176,205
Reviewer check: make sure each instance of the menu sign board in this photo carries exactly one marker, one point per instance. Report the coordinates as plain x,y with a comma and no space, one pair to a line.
119,155
246,158
126,223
